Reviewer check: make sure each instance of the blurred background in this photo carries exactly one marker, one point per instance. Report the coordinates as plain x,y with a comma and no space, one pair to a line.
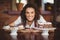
11,9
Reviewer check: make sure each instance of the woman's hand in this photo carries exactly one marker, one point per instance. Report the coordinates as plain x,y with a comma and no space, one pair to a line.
11,24
20,27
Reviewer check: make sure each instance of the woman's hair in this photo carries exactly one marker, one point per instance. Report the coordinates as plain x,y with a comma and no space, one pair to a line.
23,16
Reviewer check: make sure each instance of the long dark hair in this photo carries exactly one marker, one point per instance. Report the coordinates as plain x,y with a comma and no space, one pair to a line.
23,16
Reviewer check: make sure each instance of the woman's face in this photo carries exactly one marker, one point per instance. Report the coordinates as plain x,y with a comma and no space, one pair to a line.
30,14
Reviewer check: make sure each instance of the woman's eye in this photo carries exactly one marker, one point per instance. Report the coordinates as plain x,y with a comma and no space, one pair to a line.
27,12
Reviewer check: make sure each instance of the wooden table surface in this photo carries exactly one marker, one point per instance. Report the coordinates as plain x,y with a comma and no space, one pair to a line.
26,34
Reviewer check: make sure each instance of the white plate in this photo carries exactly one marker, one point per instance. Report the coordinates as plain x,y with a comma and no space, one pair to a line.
44,28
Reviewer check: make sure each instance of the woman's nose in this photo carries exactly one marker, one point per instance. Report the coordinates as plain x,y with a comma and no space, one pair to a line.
29,14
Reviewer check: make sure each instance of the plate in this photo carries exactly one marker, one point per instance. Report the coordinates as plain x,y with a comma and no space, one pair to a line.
44,28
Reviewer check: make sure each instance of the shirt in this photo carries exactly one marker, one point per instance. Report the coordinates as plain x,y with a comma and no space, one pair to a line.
31,26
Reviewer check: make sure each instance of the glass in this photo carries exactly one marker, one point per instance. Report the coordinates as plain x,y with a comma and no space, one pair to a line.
13,30
41,25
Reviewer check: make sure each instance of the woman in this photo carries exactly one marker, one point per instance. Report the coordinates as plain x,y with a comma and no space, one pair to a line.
30,16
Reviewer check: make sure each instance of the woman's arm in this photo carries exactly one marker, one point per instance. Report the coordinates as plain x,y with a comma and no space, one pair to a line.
16,22
6,27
